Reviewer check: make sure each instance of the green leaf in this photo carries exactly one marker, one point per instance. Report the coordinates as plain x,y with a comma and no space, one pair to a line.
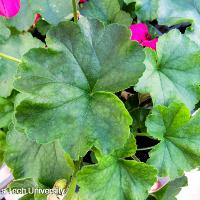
6,112
53,12
146,10
25,183
116,178
130,8
15,46
179,149
43,27
2,146
27,197
171,190
172,12
72,101
129,1
106,11
138,113
101,68
29,186
127,150
45,163
5,32
123,18
172,72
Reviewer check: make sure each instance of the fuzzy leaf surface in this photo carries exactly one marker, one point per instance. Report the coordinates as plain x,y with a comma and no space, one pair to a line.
172,71
179,136
116,178
44,163
6,112
70,88
106,11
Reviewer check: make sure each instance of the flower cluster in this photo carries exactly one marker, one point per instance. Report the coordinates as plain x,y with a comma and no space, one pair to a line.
140,33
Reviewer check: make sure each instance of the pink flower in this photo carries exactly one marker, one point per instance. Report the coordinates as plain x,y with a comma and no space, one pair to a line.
37,17
140,33
9,8
150,43
82,1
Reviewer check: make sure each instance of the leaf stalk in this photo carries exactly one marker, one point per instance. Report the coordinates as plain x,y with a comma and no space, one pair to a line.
71,190
75,11
145,149
136,158
10,58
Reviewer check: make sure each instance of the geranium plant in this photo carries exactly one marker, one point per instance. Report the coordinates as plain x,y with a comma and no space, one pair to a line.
100,98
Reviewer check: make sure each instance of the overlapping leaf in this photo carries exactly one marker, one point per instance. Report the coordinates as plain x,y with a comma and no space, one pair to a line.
6,112
145,9
171,12
138,113
171,190
70,88
28,185
179,148
4,33
2,146
173,71
51,10
15,46
116,178
106,11
45,163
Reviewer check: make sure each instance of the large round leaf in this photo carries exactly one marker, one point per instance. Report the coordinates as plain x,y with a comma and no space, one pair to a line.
70,89
45,163
179,149
173,71
116,178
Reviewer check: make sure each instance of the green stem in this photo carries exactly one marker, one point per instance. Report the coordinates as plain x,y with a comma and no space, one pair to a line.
71,190
143,135
10,58
72,187
136,158
75,11
144,149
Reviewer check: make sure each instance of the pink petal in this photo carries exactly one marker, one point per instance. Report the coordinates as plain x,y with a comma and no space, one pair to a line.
140,32
150,43
37,17
160,183
82,1
9,8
